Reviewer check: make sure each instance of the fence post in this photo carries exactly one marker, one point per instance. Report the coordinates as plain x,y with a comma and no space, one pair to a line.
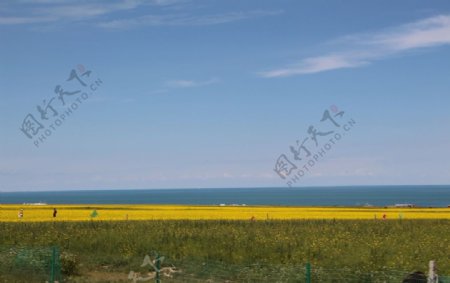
53,263
308,272
432,276
158,268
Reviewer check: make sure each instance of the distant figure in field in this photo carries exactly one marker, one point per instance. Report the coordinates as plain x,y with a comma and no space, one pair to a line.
415,277
20,214
384,216
253,218
55,212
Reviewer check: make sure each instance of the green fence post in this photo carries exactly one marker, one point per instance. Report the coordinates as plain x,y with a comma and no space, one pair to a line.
53,263
308,272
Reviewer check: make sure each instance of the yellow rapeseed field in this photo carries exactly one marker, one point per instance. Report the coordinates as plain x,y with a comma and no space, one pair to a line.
31,213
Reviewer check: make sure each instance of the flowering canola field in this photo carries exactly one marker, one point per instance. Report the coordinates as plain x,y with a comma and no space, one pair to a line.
35,213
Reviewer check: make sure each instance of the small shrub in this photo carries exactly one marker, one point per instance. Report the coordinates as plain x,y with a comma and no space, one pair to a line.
69,264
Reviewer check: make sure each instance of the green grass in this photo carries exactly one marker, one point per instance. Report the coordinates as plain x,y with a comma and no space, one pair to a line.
229,247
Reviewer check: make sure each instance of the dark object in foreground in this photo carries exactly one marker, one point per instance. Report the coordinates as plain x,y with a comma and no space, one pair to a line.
415,277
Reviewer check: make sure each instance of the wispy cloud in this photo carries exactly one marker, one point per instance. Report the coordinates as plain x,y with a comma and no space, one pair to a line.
86,10
183,83
366,48
190,83
104,14
185,19
24,20
41,11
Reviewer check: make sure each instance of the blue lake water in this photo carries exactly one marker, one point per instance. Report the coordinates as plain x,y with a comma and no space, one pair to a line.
433,196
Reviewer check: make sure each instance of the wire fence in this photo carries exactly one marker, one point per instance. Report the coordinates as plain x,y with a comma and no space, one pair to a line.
44,264
30,264
220,272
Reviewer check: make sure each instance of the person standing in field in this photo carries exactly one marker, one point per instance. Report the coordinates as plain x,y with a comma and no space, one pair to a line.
54,212
20,214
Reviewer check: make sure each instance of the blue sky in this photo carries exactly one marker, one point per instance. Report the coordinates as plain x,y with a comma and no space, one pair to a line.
211,93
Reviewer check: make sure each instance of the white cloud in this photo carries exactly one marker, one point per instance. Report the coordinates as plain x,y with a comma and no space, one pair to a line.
24,20
39,11
364,49
167,2
66,11
318,64
190,83
45,1
185,20
428,32
78,11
